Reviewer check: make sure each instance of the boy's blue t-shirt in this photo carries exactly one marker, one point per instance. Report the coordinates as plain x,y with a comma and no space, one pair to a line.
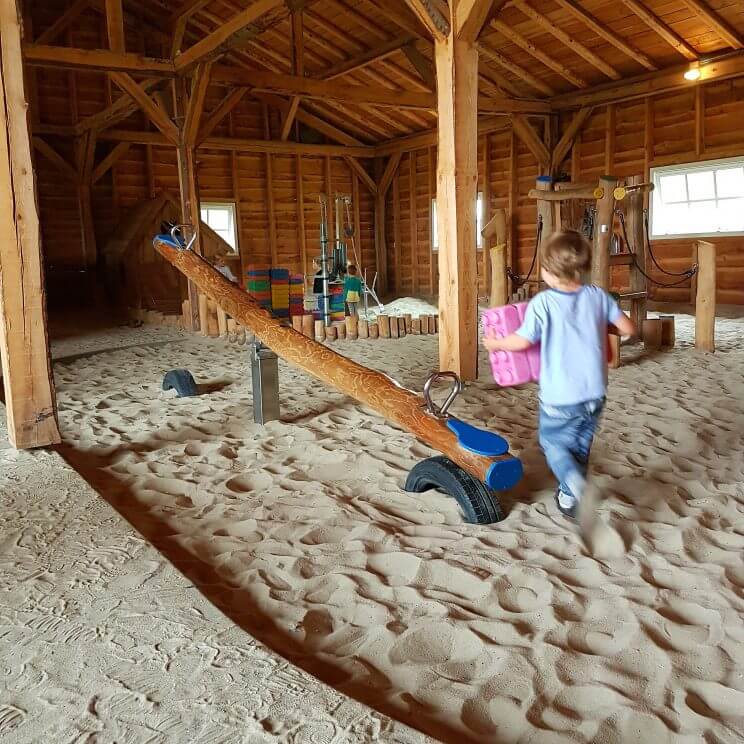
571,328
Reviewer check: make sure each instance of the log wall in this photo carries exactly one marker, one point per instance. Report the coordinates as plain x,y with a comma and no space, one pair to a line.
624,139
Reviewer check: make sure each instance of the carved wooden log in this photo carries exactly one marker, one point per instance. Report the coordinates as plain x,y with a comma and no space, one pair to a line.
331,333
402,327
341,330
383,322
394,327
374,389
424,320
374,330
408,318
320,333
416,326
363,328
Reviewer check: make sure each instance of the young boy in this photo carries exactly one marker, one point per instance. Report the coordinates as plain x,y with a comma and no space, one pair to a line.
570,321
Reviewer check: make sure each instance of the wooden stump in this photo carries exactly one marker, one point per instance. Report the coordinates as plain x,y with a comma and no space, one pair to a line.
308,325
363,328
212,322
668,335
651,334
204,314
341,330
374,330
394,327
320,332
499,283
297,323
416,327
383,322
402,331
408,318
330,333
432,321
352,327
222,321
424,321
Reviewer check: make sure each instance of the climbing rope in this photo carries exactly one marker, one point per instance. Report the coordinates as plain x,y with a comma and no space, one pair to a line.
685,275
517,280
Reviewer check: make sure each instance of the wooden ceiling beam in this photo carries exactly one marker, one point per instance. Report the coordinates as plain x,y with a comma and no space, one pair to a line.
720,26
520,72
187,9
401,15
431,17
60,163
607,34
420,140
95,60
223,108
387,175
367,57
235,144
506,105
116,154
357,167
115,25
153,112
652,83
526,132
422,66
576,46
565,143
195,107
119,110
656,24
310,88
471,16
63,22
528,46
212,44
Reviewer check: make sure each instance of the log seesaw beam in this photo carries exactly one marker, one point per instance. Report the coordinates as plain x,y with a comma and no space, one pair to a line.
371,388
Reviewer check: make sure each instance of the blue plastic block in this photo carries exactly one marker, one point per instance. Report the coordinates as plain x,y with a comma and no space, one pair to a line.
478,441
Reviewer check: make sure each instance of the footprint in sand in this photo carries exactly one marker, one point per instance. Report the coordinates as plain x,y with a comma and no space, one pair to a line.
523,590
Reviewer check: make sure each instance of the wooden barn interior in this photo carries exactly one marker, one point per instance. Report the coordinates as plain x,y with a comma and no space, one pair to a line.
437,120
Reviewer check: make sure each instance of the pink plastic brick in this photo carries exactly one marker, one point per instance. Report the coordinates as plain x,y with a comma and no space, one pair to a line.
511,367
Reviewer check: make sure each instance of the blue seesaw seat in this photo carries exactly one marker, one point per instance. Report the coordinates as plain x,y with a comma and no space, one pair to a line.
502,474
168,240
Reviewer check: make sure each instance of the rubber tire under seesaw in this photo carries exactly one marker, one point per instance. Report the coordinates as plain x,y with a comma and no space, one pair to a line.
479,504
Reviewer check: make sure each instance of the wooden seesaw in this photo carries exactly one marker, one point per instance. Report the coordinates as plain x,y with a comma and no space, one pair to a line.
475,464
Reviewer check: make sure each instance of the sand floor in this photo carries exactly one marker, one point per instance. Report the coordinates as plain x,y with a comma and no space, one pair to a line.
515,632
104,641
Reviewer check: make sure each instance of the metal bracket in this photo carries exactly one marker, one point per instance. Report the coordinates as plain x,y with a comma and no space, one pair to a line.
457,388
176,239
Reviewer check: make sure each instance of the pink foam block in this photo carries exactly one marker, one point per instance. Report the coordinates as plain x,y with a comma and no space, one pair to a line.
511,367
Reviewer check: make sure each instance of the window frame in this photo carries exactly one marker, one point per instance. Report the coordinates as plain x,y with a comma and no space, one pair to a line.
655,175
232,208
478,219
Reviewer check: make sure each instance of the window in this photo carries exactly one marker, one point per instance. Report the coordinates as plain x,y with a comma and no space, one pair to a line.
478,223
699,199
220,216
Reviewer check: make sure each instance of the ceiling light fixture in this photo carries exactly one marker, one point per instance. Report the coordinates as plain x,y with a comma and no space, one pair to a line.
692,74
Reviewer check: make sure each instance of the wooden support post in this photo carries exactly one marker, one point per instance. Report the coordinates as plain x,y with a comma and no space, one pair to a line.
637,235
189,191
301,214
115,25
433,258
457,190
30,404
486,190
705,302
413,222
603,233
546,214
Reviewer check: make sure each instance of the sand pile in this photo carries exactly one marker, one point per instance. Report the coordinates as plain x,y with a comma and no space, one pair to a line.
513,632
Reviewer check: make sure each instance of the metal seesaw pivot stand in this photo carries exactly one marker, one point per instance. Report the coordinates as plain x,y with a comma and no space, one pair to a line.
265,378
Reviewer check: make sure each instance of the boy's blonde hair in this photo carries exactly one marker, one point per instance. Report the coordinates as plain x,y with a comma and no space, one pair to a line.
567,255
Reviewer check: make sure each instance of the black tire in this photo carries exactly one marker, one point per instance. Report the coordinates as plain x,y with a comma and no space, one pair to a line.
479,504
182,381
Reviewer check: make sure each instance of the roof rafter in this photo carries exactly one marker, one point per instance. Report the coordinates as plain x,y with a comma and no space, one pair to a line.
570,42
656,24
431,16
471,16
722,28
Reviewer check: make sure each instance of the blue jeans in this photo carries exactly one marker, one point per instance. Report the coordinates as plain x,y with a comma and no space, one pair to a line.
566,434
